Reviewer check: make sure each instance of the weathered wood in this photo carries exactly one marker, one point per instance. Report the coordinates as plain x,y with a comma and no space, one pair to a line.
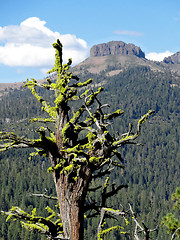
71,196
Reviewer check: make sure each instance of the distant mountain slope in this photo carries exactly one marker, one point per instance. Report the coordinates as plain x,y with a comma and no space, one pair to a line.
6,87
114,62
117,56
114,57
173,59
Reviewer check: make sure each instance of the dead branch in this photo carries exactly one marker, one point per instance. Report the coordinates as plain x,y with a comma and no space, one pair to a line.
43,195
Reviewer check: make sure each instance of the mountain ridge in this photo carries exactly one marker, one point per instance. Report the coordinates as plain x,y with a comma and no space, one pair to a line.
173,59
116,48
116,56
113,57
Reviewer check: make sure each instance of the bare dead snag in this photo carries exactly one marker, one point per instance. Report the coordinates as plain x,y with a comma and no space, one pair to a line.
124,214
75,161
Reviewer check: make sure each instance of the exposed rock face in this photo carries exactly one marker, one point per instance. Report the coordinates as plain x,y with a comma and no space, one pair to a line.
116,48
175,58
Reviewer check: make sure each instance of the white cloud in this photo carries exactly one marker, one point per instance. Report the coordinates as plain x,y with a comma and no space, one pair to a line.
74,48
26,55
128,33
30,44
158,56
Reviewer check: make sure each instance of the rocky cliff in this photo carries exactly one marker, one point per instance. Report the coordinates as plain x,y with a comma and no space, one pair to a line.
116,48
174,59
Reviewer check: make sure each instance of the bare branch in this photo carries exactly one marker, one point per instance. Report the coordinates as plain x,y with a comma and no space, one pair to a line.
100,231
31,221
52,111
43,195
131,137
174,234
142,228
43,120
94,189
106,194
11,140
41,85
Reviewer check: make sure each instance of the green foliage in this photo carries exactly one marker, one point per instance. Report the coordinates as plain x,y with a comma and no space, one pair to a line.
20,178
170,221
176,197
32,222
103,233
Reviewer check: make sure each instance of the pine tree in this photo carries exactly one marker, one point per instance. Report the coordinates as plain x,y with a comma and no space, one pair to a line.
170,220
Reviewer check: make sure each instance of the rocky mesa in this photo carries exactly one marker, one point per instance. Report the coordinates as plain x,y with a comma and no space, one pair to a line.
116,48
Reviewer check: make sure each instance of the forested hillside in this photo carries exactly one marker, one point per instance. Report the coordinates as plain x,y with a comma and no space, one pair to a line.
151,170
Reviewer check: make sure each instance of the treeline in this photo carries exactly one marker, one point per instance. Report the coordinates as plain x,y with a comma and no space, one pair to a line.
151,171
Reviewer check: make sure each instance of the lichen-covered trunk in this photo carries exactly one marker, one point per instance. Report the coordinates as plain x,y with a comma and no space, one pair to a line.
71,196
71,192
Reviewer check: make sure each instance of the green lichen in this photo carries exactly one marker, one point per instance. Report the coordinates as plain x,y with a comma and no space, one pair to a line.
91,137
52,138
68,169
72,122
106,183
45,120
80,84
117,113
58,166
104,232
94,159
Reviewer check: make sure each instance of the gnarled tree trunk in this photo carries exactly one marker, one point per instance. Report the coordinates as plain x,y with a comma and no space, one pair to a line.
71,193
71,196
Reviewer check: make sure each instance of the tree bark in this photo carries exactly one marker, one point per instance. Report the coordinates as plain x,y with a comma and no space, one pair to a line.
71,192
71,196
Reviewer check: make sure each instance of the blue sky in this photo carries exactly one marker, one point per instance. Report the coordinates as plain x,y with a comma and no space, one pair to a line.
28,29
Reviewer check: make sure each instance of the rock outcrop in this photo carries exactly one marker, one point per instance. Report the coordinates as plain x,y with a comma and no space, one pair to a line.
174,59
116,48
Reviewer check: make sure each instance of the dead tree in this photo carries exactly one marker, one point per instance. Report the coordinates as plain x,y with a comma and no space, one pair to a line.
74,159
139,228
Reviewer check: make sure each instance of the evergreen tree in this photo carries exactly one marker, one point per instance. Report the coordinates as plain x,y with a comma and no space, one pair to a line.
171,221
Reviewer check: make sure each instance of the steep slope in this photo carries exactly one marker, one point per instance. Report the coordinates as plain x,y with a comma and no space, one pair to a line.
116,56
110,63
